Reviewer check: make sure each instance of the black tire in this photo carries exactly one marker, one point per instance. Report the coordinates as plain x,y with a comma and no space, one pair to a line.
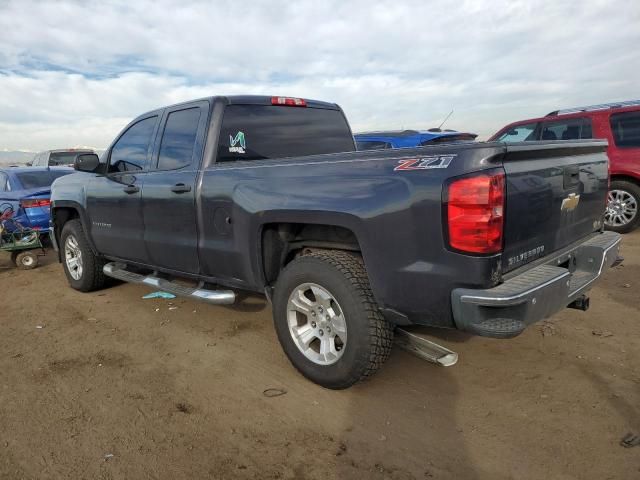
26,260
14,258
634,191
92,277
369,337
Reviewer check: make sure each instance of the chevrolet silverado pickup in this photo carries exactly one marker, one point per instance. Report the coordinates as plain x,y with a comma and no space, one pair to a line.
226,195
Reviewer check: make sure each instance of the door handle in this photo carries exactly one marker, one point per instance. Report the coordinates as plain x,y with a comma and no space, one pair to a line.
131,189
181,188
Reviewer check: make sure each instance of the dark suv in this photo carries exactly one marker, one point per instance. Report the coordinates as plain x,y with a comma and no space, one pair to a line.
619,123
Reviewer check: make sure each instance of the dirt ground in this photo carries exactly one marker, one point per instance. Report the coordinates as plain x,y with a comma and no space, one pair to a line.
108,385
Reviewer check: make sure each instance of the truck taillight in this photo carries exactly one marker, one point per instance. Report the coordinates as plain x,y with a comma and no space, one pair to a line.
288,101
35,202
475,213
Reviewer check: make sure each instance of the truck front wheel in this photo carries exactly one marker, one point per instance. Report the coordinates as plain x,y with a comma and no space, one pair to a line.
327,320
82,268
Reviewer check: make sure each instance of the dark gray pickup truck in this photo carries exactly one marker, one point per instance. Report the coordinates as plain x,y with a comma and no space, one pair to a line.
267,194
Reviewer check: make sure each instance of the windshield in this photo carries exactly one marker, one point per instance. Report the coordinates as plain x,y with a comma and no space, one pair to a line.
31,180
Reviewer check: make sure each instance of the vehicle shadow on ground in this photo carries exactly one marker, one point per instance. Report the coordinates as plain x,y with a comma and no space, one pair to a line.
406,417
626,409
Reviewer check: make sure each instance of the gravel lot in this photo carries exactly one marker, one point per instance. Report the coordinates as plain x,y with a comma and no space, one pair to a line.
107,385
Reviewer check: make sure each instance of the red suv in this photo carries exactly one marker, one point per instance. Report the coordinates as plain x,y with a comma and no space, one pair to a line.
619,123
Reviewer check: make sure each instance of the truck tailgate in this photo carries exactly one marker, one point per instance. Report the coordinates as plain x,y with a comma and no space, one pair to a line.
555,194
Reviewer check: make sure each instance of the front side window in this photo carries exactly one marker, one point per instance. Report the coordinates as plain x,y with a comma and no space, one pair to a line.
131,151
626,129
257,132
519,133
179,139
570,129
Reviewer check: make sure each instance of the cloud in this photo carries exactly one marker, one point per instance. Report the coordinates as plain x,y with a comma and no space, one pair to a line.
76,72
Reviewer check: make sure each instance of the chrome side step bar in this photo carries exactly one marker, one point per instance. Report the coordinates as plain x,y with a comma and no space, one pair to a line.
217,297
425,349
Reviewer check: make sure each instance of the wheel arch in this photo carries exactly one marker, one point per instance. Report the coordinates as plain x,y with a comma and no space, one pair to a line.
63,211
281,242
625,178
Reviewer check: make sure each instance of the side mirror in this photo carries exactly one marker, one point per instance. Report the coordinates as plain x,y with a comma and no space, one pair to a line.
86,162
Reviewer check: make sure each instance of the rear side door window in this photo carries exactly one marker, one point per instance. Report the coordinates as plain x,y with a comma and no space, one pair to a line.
520,133
131,152
569,129
179,139
626,129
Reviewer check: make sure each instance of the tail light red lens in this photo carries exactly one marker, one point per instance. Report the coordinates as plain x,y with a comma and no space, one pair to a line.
35,202
475,213
288,101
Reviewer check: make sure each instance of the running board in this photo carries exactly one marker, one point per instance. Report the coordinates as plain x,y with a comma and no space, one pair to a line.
217,297
425,349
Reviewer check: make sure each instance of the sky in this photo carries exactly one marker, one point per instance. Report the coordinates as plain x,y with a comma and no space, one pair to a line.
73,73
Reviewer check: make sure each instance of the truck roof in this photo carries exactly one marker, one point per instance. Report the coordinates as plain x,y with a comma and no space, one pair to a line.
250,100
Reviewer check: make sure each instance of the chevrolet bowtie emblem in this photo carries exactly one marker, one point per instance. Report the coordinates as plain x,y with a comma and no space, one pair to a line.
570,203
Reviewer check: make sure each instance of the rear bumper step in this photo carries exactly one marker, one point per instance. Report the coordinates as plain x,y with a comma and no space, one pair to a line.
217,297
506,310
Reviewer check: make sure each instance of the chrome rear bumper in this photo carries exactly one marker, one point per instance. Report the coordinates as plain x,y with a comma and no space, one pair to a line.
506,310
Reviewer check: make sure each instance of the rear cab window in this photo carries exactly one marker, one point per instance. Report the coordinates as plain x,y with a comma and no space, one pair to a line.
259,132
372,145
625,127
61,158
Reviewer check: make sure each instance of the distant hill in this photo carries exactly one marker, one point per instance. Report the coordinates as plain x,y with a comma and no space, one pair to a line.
15,157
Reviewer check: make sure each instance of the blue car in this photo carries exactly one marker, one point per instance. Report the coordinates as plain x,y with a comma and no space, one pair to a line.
26,192
409,138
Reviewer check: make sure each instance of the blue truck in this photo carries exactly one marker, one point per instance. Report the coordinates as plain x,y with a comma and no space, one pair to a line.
409,138
269,195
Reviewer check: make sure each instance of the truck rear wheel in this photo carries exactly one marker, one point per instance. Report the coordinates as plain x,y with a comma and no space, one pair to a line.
82,268
623,202
327,321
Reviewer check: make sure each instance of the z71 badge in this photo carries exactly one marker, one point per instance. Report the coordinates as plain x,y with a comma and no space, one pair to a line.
425,163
